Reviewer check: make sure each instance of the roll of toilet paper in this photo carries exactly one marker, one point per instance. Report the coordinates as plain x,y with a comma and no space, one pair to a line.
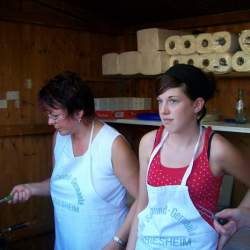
244,41
206,61
172,45
224,41
221,63
192,59
241,61
153,63
130,62
204,43
110,64
176,60
188,44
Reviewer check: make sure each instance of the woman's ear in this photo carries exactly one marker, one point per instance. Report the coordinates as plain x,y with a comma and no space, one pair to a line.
79,115
198,105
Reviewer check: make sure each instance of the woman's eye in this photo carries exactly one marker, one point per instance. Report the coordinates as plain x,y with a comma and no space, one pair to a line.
172,101
159,101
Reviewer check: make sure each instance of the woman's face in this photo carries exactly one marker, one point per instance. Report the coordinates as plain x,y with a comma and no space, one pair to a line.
59,118
177,111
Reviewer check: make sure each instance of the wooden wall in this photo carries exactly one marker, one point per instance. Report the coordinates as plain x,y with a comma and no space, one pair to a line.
31,53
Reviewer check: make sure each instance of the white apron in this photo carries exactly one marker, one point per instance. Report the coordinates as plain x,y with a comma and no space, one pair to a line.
83,220
170,220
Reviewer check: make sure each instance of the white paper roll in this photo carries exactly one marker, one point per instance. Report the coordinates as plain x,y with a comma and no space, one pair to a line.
130,62
221,63
204,43
110,64
224,41
241,61
176,60
172,45
153,63
192,59
244,41
205,61
188,44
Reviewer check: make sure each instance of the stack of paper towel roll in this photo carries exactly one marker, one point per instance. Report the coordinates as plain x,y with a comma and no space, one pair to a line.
153,63
241,59
218,42
182,49
220,62
192,59
110,64
208,51
159,49
219,46
180,45
150,59
151,44
130,62
153,39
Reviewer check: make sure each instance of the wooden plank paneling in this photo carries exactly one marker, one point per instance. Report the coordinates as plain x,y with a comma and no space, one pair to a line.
35,52
25,159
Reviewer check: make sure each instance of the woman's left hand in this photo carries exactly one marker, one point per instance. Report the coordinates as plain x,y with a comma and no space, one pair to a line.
225,232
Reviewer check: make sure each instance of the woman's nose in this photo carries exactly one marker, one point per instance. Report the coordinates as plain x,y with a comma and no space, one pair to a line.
164,108
51,121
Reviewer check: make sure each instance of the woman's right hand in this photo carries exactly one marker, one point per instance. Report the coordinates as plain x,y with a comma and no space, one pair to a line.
21,193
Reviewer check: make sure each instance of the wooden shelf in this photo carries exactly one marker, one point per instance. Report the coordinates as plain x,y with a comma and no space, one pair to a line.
140,76
232,75
217,126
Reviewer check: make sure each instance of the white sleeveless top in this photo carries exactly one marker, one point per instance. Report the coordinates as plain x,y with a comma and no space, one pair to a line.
89,201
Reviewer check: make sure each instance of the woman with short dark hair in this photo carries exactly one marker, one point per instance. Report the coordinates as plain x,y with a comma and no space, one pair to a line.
93,168
181,168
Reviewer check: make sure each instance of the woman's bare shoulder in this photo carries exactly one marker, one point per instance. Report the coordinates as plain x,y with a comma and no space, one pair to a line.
147,141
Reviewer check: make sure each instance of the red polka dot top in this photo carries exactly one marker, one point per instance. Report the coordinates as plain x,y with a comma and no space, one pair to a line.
203,186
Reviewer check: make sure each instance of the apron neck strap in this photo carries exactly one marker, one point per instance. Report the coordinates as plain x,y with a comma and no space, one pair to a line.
91,134
190,166
156,149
